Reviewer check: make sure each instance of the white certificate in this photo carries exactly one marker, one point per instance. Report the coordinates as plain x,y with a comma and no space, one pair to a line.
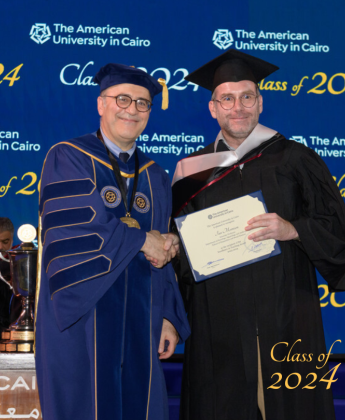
215,240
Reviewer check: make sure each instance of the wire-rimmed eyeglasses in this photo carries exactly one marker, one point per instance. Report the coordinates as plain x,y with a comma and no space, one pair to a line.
228,102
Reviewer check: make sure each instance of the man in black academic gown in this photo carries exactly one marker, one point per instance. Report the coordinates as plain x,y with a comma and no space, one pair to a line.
265,308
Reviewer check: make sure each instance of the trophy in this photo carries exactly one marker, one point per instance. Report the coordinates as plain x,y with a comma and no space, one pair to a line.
19,337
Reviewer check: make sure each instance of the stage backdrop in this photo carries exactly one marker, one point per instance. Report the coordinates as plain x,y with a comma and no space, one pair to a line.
50,52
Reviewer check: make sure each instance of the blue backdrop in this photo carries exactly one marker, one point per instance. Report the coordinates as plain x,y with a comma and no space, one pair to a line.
51,50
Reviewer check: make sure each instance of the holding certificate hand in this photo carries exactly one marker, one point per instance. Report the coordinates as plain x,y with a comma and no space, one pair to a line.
274,228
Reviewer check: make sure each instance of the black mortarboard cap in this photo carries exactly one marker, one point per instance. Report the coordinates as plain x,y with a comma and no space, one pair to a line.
115,74
232,66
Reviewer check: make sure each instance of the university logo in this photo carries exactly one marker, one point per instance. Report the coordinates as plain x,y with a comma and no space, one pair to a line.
300,139
111,196
40,33
222,39
141,203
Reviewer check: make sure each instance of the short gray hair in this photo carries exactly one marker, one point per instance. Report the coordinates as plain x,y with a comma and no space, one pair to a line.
6,224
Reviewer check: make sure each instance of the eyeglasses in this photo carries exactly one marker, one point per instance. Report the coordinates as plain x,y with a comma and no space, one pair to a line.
124,101
228,102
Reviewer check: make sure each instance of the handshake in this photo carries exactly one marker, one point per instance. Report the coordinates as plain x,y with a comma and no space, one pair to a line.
160,249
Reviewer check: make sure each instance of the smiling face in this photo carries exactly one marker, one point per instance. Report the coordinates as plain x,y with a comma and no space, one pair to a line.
123,126
237,123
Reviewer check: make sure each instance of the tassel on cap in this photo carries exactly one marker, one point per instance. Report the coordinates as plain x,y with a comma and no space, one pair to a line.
165,94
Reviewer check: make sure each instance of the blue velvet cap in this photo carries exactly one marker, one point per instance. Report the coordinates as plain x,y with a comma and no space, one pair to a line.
115,74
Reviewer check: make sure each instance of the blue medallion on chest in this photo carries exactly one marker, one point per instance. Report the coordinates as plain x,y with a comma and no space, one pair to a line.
111,196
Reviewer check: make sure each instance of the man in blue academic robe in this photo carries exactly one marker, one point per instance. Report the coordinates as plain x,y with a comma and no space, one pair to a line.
105,315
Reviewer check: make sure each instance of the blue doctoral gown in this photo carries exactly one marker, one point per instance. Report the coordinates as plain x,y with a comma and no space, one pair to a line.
101,304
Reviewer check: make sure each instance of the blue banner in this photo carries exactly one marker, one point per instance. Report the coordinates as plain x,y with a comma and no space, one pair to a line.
50,52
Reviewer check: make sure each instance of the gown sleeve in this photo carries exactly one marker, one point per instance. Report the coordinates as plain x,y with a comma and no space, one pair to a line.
85,248
173,308
182,267
321,228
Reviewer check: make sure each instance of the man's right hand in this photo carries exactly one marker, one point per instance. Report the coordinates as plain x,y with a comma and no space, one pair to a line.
274,227
153,248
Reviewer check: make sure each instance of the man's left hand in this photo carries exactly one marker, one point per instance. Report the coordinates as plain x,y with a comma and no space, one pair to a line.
274,228
168,341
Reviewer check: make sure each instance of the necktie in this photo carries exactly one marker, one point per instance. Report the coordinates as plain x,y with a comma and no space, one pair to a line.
124,157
